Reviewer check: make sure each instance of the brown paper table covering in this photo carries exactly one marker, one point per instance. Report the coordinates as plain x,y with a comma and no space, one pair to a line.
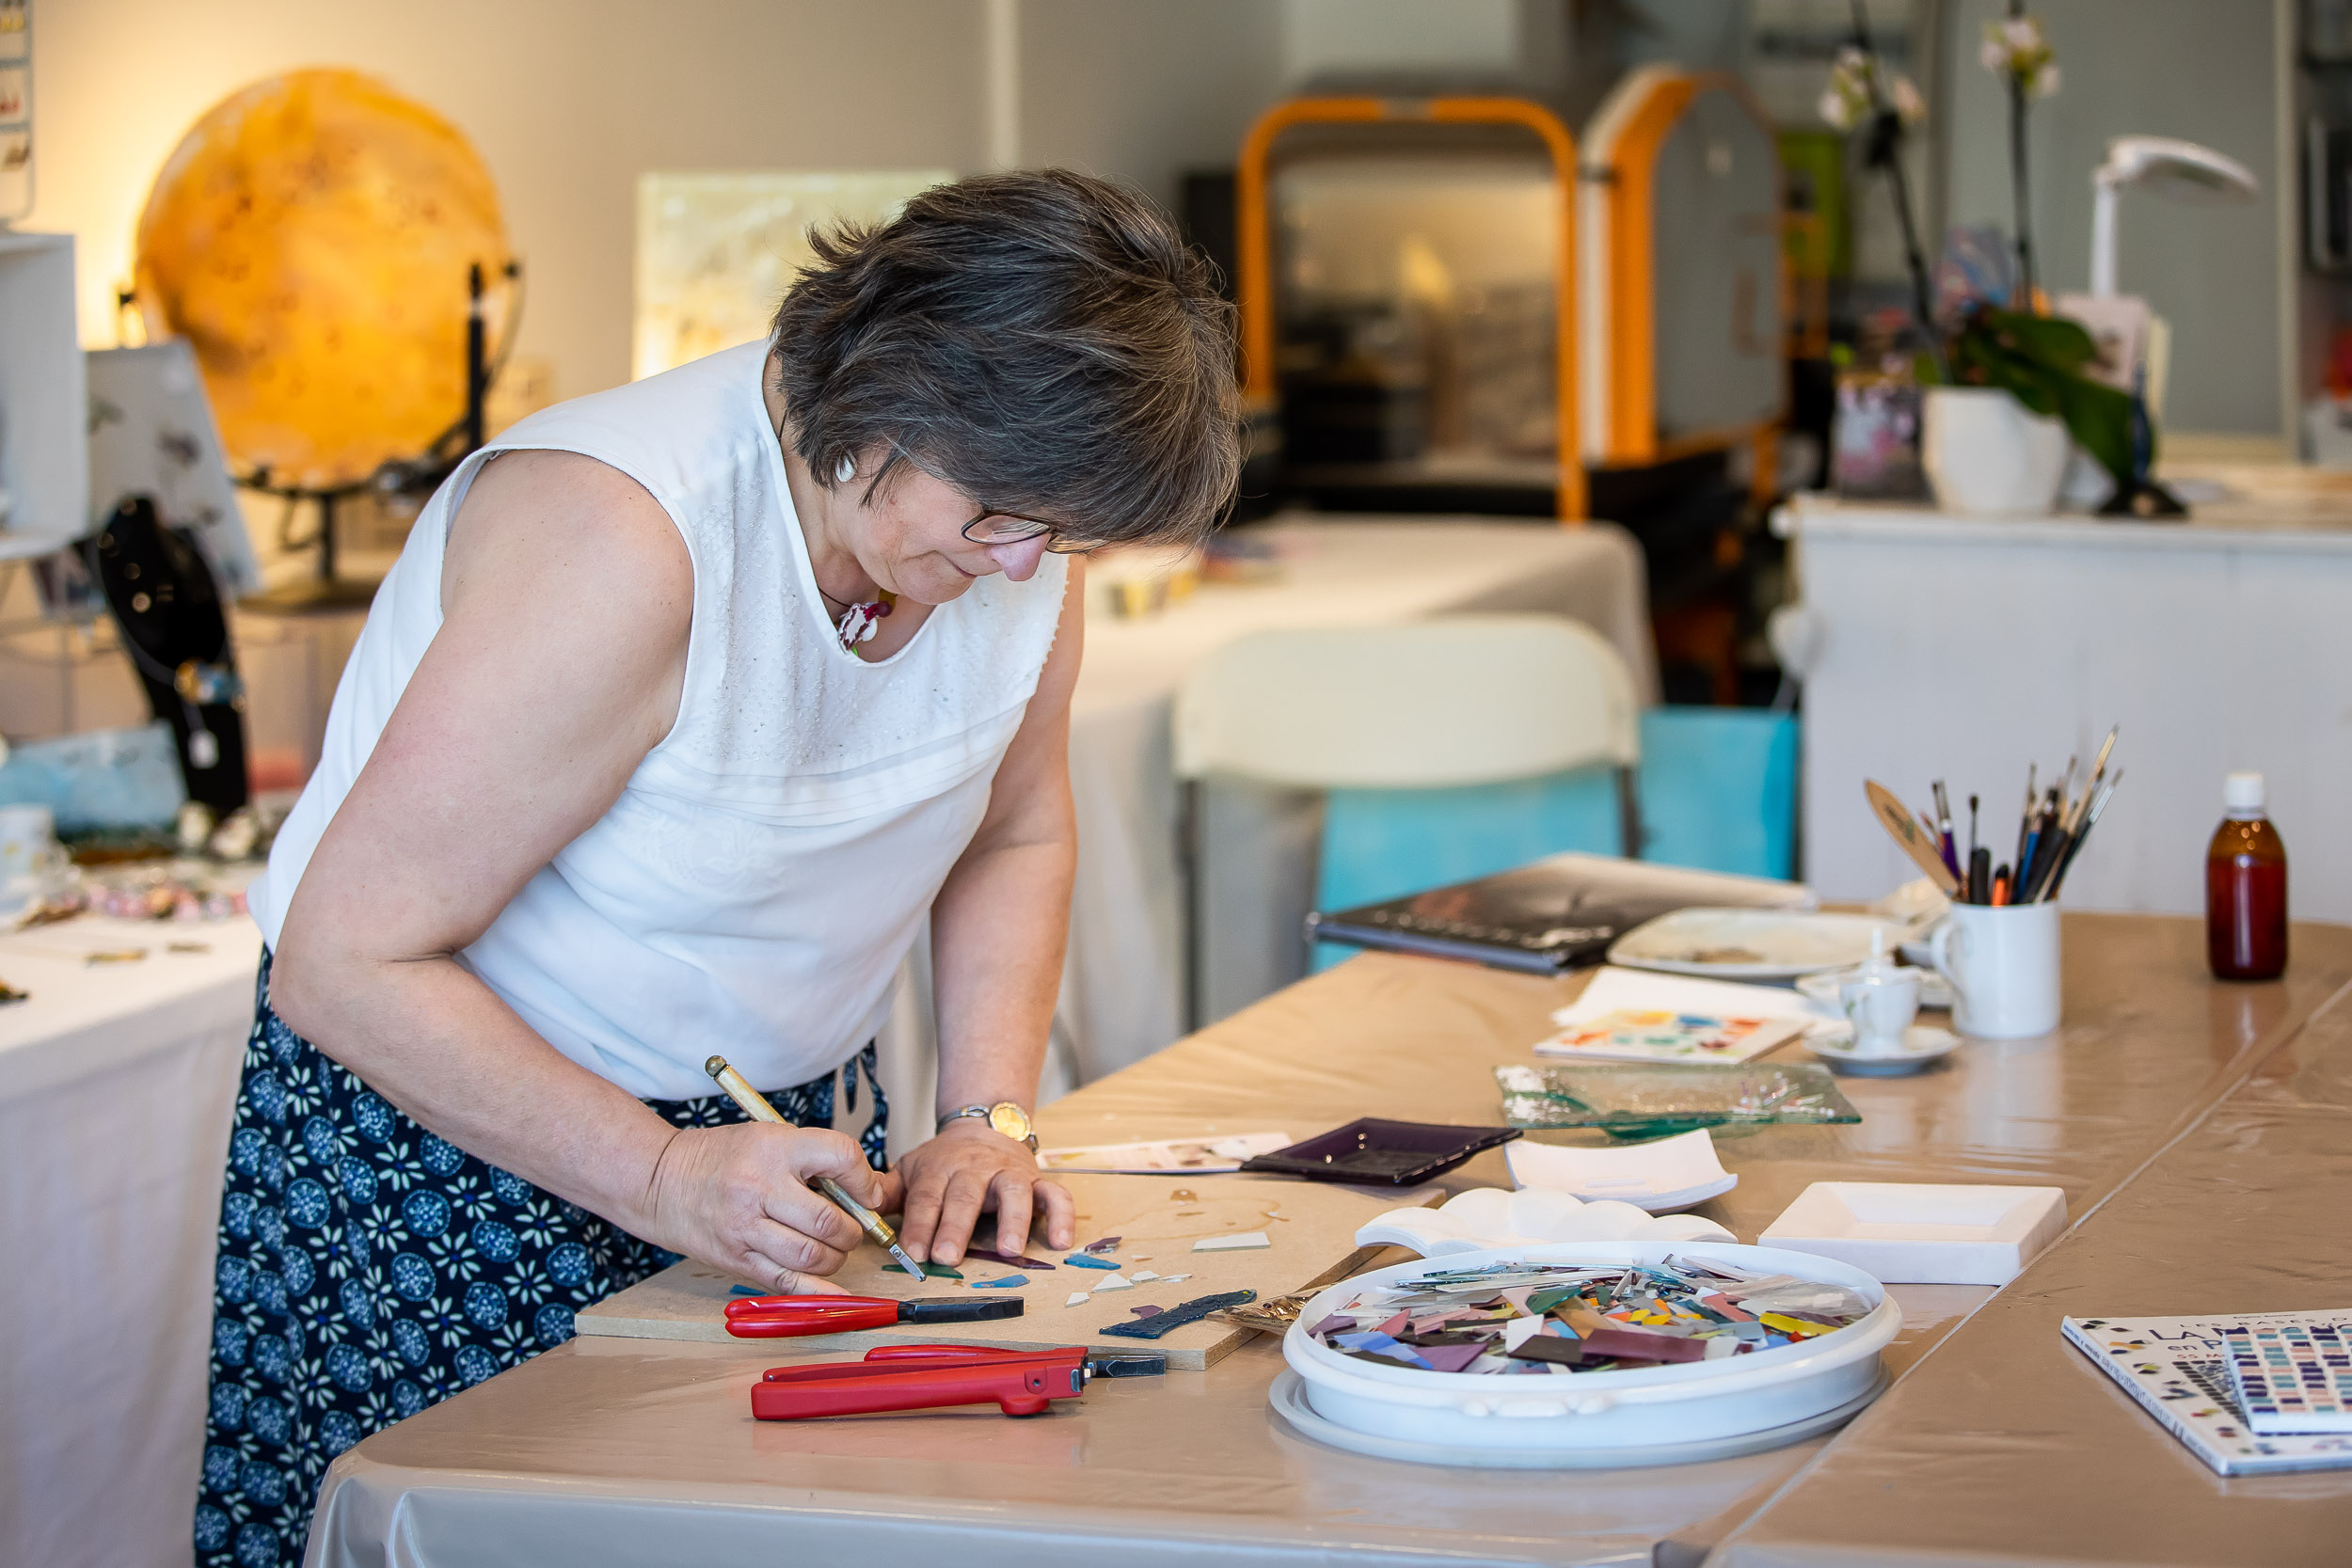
612,1453
2008,1442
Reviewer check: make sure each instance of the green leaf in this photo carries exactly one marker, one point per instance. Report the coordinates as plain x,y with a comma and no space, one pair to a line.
2052,341
2039,360
2100,417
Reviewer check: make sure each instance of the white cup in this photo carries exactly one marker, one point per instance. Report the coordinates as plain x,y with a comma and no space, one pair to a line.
1879,1000
2003,963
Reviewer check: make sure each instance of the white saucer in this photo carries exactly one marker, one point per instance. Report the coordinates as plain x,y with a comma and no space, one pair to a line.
1923,1045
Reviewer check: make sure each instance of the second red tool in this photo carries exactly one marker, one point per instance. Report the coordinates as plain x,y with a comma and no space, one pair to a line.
935,1377
789,1316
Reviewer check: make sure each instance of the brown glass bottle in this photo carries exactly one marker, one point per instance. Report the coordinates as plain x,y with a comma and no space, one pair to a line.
2246,889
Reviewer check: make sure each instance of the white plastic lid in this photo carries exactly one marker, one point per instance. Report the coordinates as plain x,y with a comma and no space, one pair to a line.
2244,792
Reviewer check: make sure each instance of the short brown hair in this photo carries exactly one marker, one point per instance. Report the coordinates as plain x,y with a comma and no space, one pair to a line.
1043,341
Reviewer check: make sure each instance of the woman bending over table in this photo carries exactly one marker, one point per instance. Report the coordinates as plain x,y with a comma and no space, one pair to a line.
685,706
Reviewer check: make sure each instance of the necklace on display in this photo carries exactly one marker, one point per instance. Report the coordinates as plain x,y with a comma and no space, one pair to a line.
860,622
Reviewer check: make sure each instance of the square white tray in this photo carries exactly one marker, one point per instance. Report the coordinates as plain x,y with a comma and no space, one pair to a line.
1907,1233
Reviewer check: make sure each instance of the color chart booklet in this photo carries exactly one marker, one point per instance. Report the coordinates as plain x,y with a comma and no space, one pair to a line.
1645,1035
2178,1369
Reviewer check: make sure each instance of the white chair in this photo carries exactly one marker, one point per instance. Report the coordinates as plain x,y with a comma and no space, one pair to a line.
1451,701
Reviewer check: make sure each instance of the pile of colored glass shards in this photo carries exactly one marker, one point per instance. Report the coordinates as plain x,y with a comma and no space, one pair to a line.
1523,1318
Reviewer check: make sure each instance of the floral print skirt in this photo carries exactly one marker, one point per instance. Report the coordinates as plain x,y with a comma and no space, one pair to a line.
369,1268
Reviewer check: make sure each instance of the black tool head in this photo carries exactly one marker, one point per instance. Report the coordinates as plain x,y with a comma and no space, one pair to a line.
1127,1364
958,1309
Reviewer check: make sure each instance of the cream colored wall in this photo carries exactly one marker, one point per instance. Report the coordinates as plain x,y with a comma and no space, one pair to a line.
571,100
567,101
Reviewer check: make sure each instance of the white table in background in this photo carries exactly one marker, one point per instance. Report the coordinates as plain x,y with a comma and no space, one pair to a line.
1122,992
1965,648
117,1082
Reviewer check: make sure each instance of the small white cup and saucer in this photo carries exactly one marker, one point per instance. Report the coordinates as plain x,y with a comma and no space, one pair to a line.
1879,1000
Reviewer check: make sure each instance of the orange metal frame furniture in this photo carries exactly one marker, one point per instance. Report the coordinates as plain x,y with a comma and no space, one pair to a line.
1628,291
1254,241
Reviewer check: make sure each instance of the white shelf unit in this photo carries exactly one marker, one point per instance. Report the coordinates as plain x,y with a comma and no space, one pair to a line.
44,397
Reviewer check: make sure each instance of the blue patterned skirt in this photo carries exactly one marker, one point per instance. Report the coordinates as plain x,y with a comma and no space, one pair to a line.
369,1268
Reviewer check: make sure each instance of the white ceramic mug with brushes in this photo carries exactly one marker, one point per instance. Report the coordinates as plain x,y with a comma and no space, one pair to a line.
2002,960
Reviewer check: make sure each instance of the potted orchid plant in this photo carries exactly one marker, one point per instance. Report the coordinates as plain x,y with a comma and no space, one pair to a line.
2006,396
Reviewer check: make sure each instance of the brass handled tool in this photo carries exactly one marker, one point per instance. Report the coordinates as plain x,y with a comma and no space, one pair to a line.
755,1106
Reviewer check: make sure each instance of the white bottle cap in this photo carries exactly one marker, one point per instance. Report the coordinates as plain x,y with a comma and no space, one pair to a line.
2243,792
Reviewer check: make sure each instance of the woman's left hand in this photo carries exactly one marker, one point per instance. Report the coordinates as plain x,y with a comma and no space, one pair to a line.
968,1170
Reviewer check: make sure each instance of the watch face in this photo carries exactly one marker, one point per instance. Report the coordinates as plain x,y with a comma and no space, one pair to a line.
1009,1119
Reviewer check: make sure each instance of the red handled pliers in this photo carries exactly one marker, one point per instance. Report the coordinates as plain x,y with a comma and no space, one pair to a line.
936,1377
789,1316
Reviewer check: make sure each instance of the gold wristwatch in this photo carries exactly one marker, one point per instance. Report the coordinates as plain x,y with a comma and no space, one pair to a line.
1005,1116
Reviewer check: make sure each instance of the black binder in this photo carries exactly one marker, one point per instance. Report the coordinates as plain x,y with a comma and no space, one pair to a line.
1548,916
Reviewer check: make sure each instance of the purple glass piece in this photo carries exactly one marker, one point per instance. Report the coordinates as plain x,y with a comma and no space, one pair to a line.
1107,1243
1333,1325
1014,1258
1147,1311
1451,1358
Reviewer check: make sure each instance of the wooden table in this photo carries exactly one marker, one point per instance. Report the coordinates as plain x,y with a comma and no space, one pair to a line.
613,1452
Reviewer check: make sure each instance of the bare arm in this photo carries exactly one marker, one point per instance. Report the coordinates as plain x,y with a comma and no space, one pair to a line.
566,599
998,928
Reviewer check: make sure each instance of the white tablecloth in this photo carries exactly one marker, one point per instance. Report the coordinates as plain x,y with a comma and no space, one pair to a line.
115,1087
1122,989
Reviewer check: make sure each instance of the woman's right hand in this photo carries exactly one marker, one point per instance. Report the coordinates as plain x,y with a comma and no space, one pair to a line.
738,1197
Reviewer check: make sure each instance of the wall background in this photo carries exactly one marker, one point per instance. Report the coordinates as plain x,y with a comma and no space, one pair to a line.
569,100
2201,70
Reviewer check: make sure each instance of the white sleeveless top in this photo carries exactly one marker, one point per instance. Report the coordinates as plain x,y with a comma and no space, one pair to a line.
769,864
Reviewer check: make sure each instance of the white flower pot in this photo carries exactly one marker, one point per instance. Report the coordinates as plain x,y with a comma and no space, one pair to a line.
1988,456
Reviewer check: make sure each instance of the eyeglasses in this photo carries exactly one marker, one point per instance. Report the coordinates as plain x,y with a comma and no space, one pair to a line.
1010,528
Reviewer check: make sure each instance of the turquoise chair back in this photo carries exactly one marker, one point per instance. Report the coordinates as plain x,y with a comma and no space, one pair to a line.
1717,790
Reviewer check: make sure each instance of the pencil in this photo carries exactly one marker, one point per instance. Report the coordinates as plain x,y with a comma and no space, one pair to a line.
755,1105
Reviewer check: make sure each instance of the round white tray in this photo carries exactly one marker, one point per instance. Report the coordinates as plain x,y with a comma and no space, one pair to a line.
1597,1413
1289,1398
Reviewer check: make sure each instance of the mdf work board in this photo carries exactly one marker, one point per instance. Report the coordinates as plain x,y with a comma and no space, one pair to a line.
1310,1227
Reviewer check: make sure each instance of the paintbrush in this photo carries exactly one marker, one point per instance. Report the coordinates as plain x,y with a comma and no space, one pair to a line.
1896,818
2025,818
2090,820
755,1105
2098,771
1943,829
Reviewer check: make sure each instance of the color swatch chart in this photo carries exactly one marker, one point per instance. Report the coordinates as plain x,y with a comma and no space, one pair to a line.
2291,1377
